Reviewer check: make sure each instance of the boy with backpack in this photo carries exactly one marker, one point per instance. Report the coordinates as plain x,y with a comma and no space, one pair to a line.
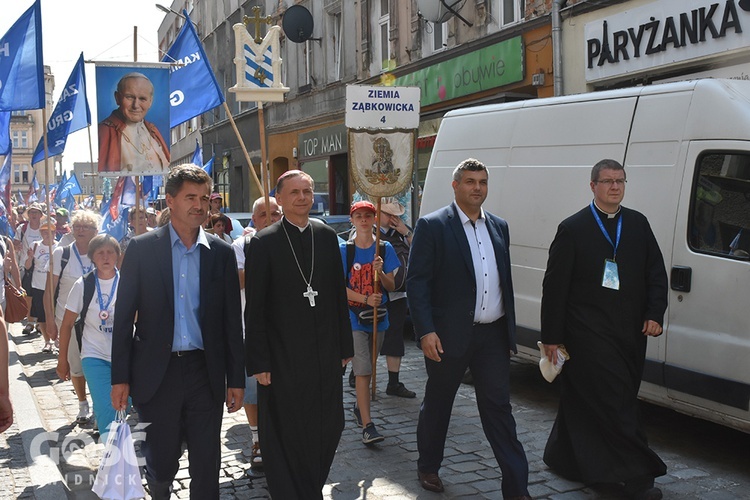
361,264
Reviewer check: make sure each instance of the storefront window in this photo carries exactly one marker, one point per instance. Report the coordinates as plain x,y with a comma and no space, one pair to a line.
318,170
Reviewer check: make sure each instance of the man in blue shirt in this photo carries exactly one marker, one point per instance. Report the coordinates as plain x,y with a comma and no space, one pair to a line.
185,357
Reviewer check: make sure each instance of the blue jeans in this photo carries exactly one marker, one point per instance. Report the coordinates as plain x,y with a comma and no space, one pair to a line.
98,373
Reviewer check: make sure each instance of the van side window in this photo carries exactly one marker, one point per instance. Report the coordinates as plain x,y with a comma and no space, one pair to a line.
720,212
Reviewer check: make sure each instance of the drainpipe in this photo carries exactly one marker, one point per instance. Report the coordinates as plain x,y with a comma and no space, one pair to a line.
557,45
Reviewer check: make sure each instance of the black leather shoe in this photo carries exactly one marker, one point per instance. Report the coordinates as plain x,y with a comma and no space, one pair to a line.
431,482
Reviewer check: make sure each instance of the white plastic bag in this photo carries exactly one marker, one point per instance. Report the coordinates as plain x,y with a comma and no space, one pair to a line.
549,370
119,477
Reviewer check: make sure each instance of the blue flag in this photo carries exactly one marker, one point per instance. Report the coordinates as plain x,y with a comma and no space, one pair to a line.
71,113
70,203
198,155
4,132
59,195
209,166
117,228
147,185
193,88
104,206
69,186
21,66
5,226
31,194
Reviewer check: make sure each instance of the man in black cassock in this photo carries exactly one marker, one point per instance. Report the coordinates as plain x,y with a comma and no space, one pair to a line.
297,339
604,292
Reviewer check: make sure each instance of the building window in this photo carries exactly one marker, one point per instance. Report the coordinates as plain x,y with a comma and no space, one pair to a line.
720,221
18,112
335,45
20,139
25,174
307,52
16,173
437,36
384,27
511,11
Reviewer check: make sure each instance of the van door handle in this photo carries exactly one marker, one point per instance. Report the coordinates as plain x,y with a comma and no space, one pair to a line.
680,278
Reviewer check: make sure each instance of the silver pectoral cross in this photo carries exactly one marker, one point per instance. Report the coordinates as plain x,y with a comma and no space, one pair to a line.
310,294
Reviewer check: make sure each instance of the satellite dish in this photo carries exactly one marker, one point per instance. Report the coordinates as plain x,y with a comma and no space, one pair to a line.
297,24
439,11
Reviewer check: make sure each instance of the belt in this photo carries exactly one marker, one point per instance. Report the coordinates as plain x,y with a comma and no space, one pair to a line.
501,318
182,354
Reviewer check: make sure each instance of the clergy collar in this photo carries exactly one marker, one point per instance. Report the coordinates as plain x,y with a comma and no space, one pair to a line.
609,215
465,218
301,228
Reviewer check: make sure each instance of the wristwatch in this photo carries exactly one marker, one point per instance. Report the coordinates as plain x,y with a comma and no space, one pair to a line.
408,233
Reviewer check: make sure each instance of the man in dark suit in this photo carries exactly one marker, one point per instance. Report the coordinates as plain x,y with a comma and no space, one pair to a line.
460,296
187,345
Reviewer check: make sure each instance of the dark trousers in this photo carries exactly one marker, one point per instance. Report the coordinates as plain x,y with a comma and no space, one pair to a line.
393,341
489,359
183,409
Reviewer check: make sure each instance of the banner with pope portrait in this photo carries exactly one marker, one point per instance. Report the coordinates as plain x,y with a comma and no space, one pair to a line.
133,114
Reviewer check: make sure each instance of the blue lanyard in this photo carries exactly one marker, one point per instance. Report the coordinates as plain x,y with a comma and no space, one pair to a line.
78,256
102,305
604,230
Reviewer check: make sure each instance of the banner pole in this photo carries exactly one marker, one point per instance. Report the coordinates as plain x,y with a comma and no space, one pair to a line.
263,161
376,289
138,199
94,173
48,292
244,149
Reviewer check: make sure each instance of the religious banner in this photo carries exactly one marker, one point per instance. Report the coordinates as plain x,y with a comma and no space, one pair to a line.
133,113
258,62
381,161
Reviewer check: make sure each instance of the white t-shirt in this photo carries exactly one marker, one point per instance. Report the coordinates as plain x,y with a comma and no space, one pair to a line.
97,338
239,251
70,274
41,266
30,236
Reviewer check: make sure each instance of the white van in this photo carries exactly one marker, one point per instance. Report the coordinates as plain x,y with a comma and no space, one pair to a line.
686,150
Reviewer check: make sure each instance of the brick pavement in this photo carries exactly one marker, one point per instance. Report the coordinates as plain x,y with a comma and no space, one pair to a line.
387,471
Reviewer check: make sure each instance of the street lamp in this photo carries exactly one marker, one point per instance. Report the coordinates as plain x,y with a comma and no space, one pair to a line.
167,10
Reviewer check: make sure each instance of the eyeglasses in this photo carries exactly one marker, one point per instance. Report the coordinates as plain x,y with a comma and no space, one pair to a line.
79,227
609,182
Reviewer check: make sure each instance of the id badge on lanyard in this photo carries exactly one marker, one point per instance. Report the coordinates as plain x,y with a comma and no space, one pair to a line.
610,276
610,273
